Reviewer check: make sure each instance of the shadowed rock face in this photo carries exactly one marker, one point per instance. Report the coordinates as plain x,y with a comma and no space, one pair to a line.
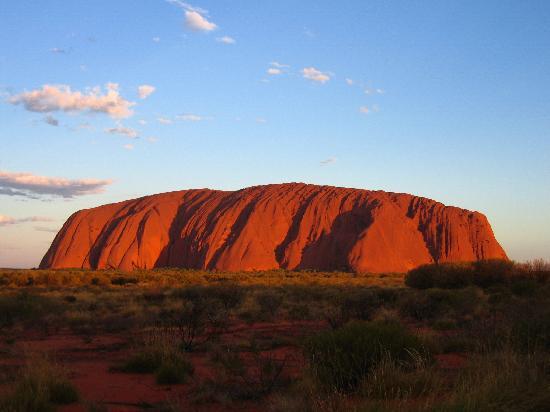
291,226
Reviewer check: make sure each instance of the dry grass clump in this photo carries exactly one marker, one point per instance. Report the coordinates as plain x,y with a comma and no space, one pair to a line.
41,385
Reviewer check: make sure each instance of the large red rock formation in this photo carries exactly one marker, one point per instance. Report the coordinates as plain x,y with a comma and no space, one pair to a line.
291,226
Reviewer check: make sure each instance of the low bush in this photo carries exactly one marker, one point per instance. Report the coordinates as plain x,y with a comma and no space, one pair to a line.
340,359
436,303
158,354
269,302
253,377
40,386
483,273
124,280
173,371
502,381
25,307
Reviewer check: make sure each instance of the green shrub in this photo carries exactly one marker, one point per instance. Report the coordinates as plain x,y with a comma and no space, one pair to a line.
445,276
40,386
145,361
62,392
123,280
530,330
482,273
341,359
299,312
173,371
500,382
25,306
269,302
251,377
435,303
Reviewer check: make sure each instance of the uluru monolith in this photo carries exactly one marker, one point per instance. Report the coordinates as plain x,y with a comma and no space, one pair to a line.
290,226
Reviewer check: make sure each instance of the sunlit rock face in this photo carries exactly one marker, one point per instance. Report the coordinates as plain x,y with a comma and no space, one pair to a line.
290,226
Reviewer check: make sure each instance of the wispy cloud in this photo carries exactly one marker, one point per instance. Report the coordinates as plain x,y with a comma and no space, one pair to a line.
58,50
32,186
190,117
52,98
311,73
145,90
164,120
364,110
152,139
52,121
309,33
368,110
279,65
128,146
349,82
45,229
277,68
226,40
124,131
187,6
7,220
369,90
261,120
156,39
328,161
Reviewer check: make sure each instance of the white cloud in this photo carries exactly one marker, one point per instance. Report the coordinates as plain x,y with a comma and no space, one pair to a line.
145,90
7,220
152,139
364,110
52,98
226,40
58,50
124,131
309,33
279,65
349,82
84,126
274,71
29,185
156,39
52,121
311,73
190,117
187,6
368,90
328,161
261,120
128,146
142,122
164,120
45,229
197,22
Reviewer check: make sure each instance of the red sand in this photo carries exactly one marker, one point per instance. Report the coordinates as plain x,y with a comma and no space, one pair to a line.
88,365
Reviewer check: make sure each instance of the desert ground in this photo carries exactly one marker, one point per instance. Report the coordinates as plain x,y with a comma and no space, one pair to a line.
454,337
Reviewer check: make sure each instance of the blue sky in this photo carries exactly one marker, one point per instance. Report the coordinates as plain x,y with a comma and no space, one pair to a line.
448,100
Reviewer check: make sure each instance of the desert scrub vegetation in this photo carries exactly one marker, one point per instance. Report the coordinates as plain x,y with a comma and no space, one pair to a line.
437,339
339,360
40,386
158,352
